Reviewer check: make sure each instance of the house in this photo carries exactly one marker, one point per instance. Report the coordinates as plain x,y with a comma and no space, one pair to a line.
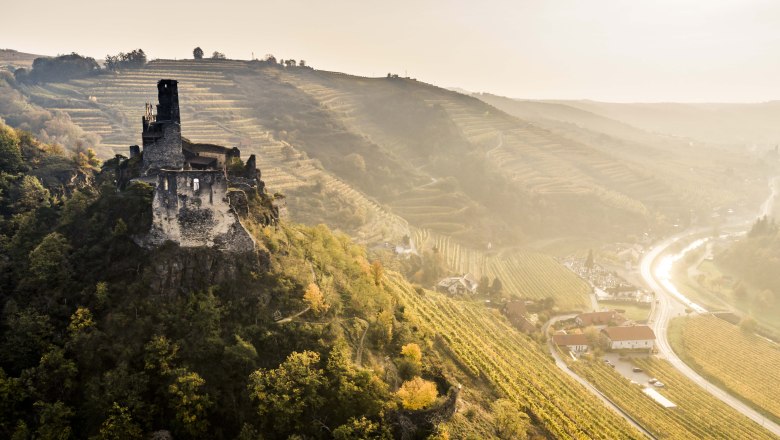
632,337
599,318
574,342
458,285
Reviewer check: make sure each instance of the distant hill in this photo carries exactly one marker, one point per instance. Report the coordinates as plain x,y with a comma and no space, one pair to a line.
16,59
720,123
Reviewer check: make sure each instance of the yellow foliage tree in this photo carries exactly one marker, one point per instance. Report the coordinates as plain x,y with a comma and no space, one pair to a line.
417,393
315,299
377,271
412,352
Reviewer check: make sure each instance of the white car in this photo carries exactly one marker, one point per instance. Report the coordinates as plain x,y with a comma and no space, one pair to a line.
658,384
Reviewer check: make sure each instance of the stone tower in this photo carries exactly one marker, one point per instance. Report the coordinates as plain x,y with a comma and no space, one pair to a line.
162,131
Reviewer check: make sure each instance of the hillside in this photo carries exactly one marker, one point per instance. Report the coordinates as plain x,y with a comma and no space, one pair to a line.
376,157
12,59
718,123
101,337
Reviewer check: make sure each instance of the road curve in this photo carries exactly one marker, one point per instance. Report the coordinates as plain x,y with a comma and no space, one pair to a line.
664,311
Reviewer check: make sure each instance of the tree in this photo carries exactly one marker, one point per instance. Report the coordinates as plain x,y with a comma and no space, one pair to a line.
53,421
412,352
302,63
119,426
410,363
497,287
417,393
32,194
189,403
510,423
48,261
377,272
197,53
217,55
288,398
315,299
10,153
483,287
589,260
360,429
748,325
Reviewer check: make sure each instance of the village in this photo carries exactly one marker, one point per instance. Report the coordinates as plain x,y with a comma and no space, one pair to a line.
607,285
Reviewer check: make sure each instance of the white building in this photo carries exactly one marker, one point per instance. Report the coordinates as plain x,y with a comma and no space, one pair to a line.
574,342
630,338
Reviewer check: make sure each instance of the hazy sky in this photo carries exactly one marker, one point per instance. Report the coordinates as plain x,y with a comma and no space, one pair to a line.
616,50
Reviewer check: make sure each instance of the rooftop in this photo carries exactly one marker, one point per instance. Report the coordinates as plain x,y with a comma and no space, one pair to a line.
632,333
568,340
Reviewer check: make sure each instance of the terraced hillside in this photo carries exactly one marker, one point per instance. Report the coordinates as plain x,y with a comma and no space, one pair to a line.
522,274
487,346
402,151
672,164
212,111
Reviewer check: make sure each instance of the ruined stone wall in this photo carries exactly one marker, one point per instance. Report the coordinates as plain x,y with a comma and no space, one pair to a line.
191,208
162,147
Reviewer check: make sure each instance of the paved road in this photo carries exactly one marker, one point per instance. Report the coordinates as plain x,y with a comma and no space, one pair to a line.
670,305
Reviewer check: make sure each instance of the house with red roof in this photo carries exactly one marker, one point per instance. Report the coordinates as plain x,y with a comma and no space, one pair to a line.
630,337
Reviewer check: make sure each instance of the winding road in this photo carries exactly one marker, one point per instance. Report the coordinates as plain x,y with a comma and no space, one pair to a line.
655,272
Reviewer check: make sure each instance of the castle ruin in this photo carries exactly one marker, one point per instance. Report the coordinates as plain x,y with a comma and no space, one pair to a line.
198,188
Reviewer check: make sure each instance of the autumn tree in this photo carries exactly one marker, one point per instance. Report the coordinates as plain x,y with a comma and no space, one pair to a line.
360,429
190,403
417,393
509,421
410,363
377,272
315,299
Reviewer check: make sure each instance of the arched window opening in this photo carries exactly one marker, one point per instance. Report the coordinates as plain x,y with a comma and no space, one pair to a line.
195,185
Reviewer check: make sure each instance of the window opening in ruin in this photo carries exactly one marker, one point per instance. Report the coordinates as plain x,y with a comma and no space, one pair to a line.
165,184
195,184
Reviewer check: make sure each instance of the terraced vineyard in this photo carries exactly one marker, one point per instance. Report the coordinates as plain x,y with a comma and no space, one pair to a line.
213,112
698,414
745,364
523,274
515,365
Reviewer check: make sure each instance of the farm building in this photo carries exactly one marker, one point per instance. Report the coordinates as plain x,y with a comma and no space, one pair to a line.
458,285
633,337
575,342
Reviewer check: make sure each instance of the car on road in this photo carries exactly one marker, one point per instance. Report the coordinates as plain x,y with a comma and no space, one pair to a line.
652,380
637,370
659,384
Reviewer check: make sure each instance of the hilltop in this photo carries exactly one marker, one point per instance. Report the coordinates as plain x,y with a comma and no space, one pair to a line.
12,59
